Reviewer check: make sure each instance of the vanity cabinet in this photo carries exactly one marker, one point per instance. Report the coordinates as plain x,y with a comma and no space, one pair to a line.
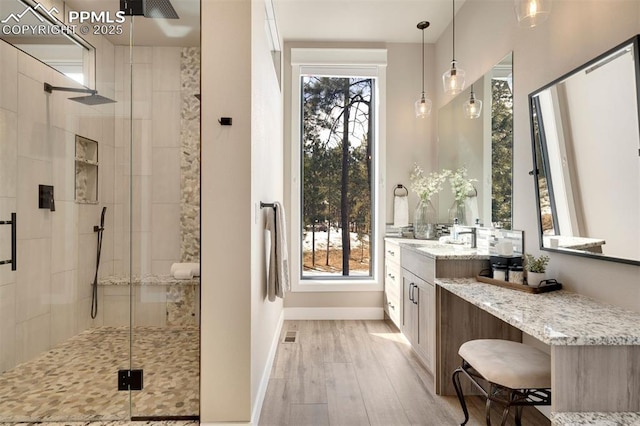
420,266
418,318
392,282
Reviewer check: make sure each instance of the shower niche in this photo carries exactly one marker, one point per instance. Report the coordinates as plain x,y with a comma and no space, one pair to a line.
86,171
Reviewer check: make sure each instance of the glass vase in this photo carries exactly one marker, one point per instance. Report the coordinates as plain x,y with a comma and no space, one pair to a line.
424,221
458,211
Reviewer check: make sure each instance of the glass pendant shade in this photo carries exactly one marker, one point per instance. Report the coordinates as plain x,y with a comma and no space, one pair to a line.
473,106
453,80
532,12
423,107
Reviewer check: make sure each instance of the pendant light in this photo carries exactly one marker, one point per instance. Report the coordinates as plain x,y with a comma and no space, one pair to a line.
423,105
532,12
453,80
473,106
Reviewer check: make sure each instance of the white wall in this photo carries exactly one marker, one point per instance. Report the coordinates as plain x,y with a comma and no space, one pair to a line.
241,166
486,31
226,213
267,186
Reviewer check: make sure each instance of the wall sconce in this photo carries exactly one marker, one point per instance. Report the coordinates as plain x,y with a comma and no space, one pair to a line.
453,79
532,12
423,105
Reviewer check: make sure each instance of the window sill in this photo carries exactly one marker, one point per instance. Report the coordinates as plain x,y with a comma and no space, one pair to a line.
336,285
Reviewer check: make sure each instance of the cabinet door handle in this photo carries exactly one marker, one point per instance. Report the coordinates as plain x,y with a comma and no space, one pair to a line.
391,252
393,277
411,291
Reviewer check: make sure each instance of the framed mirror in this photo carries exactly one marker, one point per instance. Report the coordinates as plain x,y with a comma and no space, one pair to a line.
585,132
483,145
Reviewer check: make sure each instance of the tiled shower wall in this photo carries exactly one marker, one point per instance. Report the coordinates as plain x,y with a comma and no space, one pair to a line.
164,160
48,298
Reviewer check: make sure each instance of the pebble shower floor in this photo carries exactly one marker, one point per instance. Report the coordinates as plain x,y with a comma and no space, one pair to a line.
77,380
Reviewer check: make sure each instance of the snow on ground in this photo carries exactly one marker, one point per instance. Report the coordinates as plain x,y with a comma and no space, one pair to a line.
335,239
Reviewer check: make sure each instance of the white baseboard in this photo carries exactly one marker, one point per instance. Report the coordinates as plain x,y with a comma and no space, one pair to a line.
333,313
266,372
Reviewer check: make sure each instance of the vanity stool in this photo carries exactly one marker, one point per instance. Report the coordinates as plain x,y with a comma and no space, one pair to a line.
514,374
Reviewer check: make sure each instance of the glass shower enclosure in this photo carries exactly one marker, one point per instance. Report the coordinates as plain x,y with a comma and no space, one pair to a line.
99,210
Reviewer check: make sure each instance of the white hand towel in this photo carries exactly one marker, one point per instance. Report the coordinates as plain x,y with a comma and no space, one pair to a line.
400,210
193,267
183,274
278,274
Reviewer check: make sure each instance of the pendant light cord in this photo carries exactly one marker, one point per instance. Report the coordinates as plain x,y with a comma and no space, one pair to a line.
423,63
453,19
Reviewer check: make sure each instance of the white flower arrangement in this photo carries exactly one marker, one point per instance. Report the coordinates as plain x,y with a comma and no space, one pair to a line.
426,186
461,186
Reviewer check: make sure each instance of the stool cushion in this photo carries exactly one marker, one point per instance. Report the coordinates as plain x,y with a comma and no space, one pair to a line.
508,363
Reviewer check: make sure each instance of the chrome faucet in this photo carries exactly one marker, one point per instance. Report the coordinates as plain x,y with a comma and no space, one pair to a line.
474,236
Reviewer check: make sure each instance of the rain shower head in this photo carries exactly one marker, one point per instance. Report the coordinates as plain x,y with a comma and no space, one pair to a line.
92,99
159,9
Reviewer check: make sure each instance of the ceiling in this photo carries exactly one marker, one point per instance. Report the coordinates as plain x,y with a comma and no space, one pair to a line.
391,21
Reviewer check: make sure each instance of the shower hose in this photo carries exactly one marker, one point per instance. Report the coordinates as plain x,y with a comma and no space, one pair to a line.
94,286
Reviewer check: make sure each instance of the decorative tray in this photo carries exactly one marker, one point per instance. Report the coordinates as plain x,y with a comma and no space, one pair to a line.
545,286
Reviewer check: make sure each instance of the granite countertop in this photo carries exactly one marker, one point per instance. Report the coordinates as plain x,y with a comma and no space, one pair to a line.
596,419
556,318
439,251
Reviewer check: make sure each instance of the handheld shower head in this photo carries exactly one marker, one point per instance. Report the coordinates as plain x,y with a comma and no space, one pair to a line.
104,210
100,228
92,99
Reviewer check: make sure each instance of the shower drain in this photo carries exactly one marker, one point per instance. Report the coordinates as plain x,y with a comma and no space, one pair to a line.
290,337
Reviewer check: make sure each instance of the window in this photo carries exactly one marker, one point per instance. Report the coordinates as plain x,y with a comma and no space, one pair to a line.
336,146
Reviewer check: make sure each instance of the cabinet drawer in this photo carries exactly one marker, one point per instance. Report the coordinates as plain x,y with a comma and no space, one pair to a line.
392,301
392,252
391,274
422,266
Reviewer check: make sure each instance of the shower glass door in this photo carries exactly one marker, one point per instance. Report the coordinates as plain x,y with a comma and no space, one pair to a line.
64,333
160,69
99,197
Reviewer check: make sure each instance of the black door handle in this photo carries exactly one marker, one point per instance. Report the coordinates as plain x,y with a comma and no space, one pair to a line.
14,228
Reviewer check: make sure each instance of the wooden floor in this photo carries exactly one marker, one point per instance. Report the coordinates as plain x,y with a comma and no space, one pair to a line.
350,373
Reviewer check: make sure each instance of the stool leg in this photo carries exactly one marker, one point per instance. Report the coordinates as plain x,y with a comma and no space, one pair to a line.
505,414
519,409
511,397
458,387
488,405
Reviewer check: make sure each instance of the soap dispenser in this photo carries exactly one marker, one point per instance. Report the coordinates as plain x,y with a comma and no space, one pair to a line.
455,230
